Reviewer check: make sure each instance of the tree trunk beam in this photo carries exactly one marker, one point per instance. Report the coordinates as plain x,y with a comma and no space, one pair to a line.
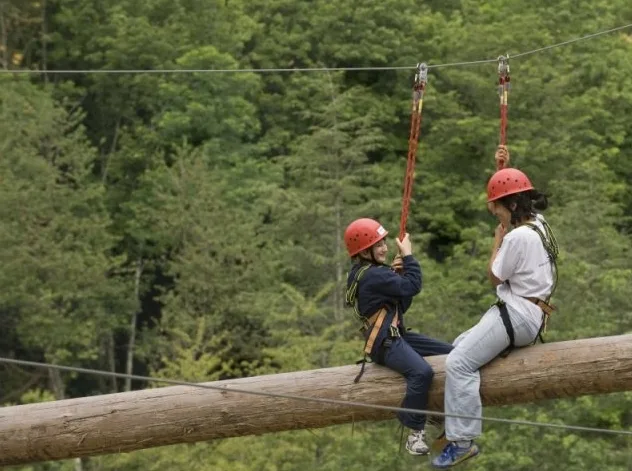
129,421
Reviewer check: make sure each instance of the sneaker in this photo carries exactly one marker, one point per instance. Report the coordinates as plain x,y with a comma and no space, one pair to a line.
416,443
453,454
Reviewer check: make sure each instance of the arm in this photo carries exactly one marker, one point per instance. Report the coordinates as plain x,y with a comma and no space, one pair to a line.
494,280
406,285
502,160
505,258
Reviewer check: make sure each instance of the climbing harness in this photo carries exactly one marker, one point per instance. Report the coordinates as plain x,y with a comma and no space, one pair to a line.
503,91
550,245
351,299
552,249
419,87
351,295
373,324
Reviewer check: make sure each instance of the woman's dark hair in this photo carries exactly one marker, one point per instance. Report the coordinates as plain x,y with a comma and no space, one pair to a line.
526,202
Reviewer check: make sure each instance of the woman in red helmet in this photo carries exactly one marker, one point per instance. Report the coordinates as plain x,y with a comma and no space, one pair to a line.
523,269
381,294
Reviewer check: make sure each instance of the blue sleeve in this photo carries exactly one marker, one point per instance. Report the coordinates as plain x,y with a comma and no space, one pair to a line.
406,285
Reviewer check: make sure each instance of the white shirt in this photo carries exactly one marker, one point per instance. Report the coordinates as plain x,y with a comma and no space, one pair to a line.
524,262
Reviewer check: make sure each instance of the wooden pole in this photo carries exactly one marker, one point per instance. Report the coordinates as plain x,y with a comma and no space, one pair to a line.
128,421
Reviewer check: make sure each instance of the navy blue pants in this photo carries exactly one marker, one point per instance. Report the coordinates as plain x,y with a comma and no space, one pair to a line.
406,356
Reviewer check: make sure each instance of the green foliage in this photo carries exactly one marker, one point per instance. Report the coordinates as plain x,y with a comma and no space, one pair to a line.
54,243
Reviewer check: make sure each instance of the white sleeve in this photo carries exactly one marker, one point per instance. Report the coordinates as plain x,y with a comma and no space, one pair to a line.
507,258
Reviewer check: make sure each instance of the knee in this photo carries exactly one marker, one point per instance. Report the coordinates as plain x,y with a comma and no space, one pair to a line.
422,375
456,361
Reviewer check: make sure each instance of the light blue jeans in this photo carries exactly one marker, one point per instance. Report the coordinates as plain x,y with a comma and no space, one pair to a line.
473,349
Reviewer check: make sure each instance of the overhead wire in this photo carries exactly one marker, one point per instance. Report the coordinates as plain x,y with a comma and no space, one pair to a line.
340,402
570,41
309,69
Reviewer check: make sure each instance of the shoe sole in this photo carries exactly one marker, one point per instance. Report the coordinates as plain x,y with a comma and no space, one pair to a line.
414,453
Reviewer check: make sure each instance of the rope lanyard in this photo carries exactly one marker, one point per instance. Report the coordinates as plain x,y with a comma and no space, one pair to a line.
419,86
549,242
351,295
503,92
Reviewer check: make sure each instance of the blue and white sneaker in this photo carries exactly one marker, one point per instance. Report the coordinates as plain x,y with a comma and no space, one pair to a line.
453,454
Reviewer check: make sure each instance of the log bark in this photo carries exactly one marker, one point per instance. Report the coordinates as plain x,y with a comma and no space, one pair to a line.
124,422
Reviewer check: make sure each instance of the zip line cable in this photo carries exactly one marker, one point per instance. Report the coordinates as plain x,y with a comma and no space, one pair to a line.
564,43
340,402
534,51
201,71
306,69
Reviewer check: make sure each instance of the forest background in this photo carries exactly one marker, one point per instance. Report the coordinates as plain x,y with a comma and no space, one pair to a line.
189,225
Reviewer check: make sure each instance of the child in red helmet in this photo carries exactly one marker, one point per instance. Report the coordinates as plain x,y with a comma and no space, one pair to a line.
523,269
381,294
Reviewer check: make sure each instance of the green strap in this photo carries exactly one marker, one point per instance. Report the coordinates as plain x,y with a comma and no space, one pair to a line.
351,296
550,245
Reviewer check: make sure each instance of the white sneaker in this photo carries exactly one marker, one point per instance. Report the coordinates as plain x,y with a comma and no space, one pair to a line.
416,443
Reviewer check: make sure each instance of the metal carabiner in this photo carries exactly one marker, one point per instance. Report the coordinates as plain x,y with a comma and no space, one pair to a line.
422,73
503,66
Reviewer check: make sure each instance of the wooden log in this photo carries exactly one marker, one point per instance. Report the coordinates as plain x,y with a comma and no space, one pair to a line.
136,420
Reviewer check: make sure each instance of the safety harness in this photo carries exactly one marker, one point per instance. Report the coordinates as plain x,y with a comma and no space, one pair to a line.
551,247
372,324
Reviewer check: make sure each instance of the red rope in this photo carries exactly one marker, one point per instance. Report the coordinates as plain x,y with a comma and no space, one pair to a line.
413,142
503,117
503,91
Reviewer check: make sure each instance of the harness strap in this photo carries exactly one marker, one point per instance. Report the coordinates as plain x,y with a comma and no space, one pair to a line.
504,316
351,295
547,310
374,323
546,307
550,245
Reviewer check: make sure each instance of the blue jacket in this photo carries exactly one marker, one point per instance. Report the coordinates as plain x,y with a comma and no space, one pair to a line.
380,286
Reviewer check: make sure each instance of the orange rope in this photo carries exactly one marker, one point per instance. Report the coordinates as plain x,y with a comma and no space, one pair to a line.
503,91
413,142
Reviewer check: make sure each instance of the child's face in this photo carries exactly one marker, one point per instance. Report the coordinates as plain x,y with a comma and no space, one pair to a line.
502,214
380,250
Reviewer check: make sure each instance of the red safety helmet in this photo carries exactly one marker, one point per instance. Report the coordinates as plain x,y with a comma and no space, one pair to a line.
362,234
507,182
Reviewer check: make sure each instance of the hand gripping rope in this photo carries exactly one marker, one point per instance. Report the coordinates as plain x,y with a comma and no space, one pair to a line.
419,86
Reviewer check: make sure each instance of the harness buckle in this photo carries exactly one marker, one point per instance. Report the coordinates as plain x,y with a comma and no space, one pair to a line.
393,332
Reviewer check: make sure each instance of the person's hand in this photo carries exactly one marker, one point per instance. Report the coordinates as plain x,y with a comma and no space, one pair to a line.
405,247
502,157
500,232
398,264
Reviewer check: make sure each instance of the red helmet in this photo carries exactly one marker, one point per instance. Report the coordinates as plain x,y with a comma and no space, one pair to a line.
362,234
507,182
